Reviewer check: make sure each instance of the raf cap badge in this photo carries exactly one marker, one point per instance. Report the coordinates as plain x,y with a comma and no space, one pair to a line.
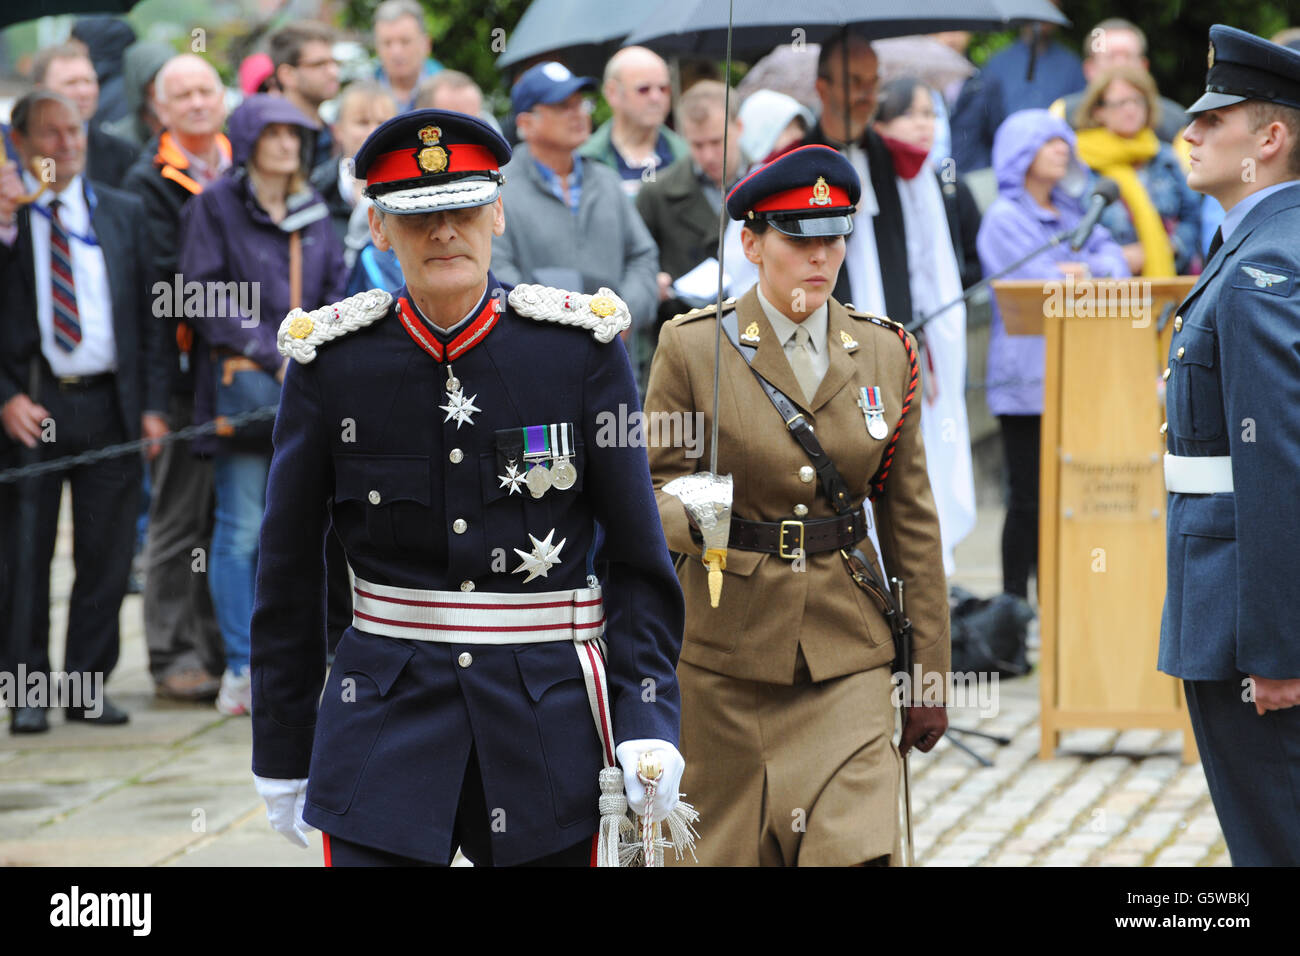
432,158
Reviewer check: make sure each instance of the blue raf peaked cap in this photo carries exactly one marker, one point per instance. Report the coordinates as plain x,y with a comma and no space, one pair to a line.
1243,67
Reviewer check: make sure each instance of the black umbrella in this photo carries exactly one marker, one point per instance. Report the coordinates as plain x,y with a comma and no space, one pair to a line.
16,11
581,33
699,27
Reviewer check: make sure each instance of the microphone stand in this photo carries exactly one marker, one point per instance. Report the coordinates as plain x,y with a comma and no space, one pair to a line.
1052,243
915,326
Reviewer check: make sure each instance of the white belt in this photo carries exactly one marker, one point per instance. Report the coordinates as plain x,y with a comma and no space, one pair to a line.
477,617
1205,475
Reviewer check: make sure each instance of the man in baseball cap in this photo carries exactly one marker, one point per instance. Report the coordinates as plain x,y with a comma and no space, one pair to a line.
547,83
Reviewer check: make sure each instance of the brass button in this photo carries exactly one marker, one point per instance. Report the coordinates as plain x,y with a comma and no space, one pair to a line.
459,526
456,456
1179,353
800,510
1164,428
807,474
1178,323
1165,376
465,659
374,497
467,585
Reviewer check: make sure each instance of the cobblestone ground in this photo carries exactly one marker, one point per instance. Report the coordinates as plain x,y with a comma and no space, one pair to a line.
173,787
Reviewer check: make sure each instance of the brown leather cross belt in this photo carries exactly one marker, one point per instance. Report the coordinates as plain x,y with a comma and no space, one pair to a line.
791,538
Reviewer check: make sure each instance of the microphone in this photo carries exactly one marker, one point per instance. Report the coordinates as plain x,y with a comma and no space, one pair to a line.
1105,193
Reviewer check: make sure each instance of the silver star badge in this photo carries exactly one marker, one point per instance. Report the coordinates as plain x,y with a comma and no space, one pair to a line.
544,556
512,479
460,408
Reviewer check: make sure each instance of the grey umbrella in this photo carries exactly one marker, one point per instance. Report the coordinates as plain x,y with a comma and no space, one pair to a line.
16,11
581,33
699,27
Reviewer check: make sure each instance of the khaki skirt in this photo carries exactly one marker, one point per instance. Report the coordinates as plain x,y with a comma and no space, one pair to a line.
800,775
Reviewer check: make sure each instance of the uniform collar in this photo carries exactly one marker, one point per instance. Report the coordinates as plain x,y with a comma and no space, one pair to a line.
451,344
784,328
1234,216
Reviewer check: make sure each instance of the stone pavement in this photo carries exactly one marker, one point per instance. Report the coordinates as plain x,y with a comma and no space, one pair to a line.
173,787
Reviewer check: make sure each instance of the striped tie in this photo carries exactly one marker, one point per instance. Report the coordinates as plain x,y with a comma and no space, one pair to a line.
67,323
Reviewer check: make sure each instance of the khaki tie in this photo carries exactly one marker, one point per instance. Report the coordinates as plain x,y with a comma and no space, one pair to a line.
802,363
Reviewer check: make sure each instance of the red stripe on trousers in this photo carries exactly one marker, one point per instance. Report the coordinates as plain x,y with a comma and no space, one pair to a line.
325,842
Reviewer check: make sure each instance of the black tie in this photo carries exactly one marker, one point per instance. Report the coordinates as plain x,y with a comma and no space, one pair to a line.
1215,243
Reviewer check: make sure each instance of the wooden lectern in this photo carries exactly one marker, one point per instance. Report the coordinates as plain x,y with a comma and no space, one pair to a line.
1101,551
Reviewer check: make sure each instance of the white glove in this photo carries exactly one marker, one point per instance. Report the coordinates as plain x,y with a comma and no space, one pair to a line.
284,803
628,752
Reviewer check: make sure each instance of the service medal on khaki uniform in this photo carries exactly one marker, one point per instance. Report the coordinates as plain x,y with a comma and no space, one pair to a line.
787,719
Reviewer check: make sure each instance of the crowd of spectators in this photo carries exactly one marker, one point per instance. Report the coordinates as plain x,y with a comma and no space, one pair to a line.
158,189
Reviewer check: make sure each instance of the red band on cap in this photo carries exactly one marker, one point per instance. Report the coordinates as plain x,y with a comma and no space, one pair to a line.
804,199
402,163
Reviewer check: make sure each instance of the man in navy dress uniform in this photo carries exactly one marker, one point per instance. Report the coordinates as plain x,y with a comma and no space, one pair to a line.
516,616
1230,628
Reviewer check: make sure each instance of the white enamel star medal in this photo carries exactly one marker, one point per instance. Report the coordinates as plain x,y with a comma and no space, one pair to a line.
512,479
458,406
544,556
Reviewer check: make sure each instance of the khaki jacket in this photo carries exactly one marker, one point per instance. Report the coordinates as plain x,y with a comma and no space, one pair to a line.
769,608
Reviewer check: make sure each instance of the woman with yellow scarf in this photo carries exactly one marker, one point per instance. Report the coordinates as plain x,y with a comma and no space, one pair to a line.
1157,220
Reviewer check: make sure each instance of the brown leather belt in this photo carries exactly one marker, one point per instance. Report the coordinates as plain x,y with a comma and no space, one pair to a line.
789,539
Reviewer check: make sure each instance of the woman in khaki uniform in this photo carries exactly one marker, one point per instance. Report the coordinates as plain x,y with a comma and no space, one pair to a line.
787,719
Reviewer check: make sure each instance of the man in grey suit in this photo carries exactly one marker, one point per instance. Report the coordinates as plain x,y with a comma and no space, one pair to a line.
1230,626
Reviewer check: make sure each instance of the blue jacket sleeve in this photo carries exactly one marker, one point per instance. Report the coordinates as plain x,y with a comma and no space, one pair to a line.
644,608
288,628
1260,355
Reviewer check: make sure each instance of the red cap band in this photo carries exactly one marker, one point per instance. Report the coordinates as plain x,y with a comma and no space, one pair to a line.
804,199
403,163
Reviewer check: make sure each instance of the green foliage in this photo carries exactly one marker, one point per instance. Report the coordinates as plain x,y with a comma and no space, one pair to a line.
468,35
1177,32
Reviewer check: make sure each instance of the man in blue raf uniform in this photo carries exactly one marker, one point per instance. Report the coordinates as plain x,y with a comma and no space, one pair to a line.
502,649
1230,623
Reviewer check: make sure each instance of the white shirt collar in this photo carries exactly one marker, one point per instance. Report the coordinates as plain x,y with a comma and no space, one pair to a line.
74,214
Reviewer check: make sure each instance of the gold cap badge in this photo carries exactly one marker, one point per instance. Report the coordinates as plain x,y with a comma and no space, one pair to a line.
433,158
821,193
1210,56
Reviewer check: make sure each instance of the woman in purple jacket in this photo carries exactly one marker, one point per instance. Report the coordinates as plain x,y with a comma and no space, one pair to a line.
1039,180
236,241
